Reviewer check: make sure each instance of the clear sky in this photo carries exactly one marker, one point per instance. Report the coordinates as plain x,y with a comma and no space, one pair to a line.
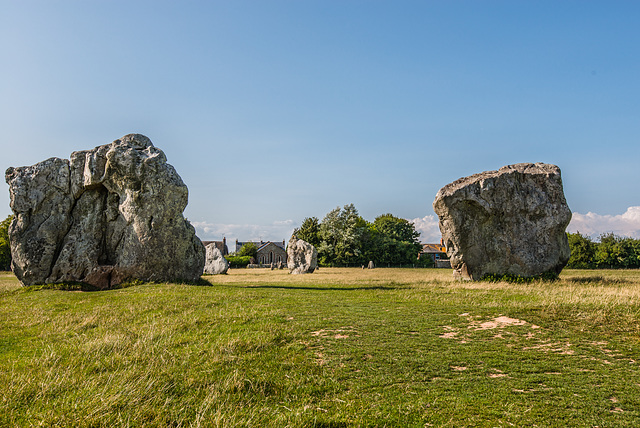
273,111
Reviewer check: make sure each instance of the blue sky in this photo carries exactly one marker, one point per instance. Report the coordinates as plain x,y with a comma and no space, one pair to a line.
273,111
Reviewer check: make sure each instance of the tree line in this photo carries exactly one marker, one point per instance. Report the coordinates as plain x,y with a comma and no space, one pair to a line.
611,252
344,238
5,249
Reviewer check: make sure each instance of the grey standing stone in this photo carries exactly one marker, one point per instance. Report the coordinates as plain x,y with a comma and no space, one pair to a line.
215,263
371,265
302,257
510,221
105,216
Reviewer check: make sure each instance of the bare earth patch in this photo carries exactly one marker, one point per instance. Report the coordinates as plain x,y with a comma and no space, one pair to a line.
497,375
336,334
498,322
556,347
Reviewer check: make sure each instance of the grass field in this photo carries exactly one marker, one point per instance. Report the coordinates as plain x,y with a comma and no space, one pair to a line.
337,348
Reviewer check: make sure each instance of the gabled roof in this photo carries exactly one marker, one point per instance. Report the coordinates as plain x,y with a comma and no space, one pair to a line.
433,248
260,244
277,244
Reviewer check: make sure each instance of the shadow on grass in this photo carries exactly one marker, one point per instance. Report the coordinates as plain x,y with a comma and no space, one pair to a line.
596,279
390,286
79,286
328,288
83,286
200,282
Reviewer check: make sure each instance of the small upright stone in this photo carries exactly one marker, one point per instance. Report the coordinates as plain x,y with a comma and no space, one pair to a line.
215,263
371,265
302,257
511,221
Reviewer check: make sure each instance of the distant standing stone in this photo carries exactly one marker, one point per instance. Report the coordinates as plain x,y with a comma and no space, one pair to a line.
510,221
215,263
102,217
302,257
371,265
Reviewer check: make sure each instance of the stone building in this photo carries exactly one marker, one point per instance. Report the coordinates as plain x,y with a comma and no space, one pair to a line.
268,252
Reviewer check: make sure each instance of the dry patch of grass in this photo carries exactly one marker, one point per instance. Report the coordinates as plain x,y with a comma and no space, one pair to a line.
8,282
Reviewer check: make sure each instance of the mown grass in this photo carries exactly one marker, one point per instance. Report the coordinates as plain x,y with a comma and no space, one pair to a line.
337,348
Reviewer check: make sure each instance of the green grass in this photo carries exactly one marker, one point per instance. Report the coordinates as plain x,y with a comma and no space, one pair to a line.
337,348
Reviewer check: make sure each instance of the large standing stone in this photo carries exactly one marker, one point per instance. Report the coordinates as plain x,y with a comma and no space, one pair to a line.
510,221
302,257
215,263
107,215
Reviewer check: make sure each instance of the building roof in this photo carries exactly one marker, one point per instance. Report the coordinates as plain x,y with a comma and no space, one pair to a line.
433,248
260,244
220,245
277,244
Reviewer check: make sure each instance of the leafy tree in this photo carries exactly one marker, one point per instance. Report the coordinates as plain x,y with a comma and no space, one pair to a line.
612,252
346,238
309,231
248,249
393,240
5,248
615,252
396,228
341,234
583,251
238,261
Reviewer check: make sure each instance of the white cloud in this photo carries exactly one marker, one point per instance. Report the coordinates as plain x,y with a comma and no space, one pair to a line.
592,224
276,231
428,228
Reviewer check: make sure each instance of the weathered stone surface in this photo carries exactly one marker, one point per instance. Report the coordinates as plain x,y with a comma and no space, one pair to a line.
105,216
215,263
371,265
510,221
302,257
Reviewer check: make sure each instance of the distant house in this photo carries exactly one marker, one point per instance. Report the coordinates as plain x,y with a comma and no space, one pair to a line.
221,245
437,253
268,252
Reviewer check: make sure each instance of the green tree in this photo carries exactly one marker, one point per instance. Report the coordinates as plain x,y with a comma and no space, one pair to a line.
248,249
309,231
583,251
617,252
393,240
607,253
341,236
345,238
5,248
238,261
396,228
